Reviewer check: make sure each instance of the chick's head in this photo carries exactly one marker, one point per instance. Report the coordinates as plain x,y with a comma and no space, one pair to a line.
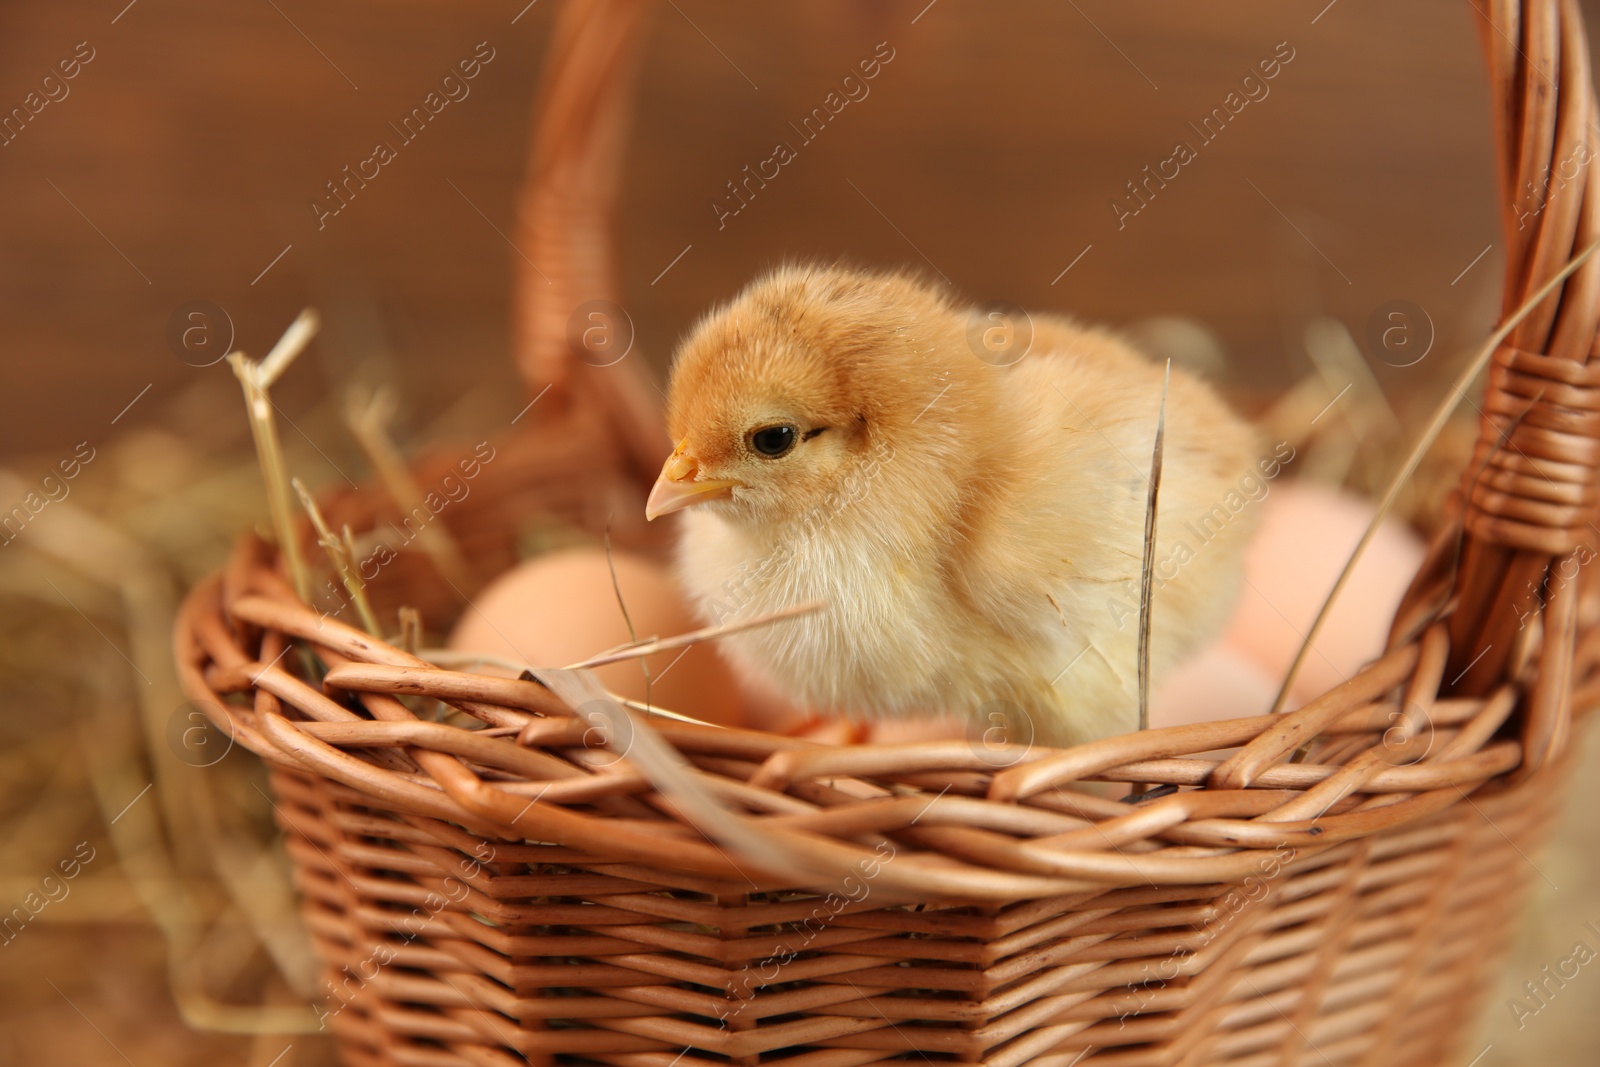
779,399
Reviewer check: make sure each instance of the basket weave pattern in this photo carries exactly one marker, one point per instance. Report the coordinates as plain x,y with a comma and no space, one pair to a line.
518,893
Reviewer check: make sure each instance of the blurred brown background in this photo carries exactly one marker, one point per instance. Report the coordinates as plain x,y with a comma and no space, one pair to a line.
186,157
183,162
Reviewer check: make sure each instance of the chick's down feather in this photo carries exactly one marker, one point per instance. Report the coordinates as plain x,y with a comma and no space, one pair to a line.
976,530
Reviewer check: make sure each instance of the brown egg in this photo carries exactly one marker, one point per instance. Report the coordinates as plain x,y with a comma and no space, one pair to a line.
1307,533
1219,682
560,608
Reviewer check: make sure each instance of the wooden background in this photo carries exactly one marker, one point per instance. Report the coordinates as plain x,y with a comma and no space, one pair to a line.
188,152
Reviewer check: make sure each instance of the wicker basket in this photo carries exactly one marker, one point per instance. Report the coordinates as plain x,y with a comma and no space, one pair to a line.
517,894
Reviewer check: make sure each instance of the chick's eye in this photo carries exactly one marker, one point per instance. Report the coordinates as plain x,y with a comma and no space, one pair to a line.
773,440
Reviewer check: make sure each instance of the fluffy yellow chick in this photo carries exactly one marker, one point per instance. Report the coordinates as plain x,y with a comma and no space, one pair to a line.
976,529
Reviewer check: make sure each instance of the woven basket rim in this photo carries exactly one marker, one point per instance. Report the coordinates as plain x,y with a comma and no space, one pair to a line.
967,821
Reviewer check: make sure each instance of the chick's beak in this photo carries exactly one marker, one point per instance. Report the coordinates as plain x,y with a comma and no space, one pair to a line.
680,485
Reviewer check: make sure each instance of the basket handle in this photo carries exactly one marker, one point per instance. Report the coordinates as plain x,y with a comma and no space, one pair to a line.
1534,480
566,282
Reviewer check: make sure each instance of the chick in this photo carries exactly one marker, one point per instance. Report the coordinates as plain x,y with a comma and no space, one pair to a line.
976,530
